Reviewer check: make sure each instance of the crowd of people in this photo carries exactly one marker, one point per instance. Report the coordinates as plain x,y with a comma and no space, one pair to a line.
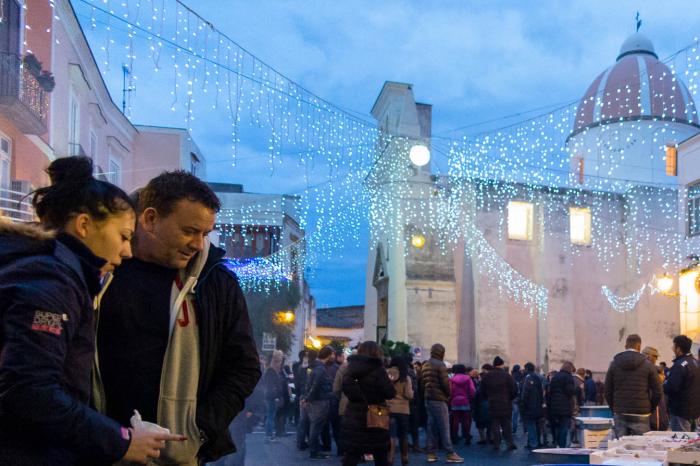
124,338
457,404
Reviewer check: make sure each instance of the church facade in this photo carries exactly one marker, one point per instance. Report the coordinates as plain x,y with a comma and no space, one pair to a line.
422,292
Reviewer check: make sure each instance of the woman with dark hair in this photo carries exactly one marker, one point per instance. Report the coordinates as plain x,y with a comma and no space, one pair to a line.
399,408
50,278
365,383
481,406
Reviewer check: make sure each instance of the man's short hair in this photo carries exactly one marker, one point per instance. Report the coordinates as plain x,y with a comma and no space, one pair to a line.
633,341
325,352
166,189
684,343
312,354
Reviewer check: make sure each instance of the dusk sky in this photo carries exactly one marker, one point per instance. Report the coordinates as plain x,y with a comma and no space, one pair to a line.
481,64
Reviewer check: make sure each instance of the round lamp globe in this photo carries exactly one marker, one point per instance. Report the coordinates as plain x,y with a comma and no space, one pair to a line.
419,155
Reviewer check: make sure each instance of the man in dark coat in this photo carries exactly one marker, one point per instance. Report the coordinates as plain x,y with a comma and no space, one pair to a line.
531,399
632,389
500,389
319,389
300,378
435,385
683,386
176,308
590,390
560,403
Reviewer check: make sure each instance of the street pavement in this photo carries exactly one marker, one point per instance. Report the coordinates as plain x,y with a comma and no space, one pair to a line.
283,452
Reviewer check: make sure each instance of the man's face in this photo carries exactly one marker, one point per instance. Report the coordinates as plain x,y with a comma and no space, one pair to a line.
340,358
174,239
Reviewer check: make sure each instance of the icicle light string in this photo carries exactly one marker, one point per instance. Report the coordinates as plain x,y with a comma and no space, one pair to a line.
529,160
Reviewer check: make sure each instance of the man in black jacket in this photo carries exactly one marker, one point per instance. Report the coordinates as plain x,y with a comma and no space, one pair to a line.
319,389
560,403
531,400
500,389
632,389
174,338
683,386
299,369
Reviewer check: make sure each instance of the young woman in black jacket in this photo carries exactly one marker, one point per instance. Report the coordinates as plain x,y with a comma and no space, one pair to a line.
365,383
49,277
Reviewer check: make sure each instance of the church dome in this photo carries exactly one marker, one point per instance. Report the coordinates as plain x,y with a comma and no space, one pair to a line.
637,87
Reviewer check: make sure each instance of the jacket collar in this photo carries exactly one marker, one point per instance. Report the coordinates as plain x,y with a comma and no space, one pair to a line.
75,254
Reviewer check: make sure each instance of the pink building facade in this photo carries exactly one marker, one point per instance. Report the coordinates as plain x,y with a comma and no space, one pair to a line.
75,115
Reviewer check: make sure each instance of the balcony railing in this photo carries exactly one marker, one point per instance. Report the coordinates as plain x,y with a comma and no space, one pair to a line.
16,205
22,99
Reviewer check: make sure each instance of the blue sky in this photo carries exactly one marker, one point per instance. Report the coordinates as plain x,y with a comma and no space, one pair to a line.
474,61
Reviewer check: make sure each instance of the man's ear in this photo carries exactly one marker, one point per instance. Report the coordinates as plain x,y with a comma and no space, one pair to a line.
148,219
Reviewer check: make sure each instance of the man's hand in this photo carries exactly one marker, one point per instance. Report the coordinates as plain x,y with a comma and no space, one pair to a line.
146,445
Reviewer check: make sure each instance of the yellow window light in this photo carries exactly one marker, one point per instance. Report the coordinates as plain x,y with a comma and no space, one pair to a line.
671,160
520,220
580,225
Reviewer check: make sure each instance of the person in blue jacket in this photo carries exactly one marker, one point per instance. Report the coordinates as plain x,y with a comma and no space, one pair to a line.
50,275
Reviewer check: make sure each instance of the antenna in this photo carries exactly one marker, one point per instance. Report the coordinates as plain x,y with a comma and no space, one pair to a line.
125,89
639,22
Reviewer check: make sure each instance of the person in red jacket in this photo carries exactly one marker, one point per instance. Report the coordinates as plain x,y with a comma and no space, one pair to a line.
462,391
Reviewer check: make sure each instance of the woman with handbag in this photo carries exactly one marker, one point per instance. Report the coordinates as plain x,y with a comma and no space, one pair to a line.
365,425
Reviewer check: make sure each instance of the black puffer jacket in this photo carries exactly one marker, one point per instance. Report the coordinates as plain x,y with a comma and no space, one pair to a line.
683,387
531,396
500,389
365,382
319,385
560,395
632,385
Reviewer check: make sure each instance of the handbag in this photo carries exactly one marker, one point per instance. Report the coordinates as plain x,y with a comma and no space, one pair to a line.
377,415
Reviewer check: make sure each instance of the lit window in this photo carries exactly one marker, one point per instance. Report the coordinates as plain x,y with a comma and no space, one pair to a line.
520,220
580,225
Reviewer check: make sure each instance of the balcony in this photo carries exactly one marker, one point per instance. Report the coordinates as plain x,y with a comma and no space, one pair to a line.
16,204
22,100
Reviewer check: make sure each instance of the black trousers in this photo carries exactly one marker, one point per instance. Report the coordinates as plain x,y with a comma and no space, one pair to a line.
502,428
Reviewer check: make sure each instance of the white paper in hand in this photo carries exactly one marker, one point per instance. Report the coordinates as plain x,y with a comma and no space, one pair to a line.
138,424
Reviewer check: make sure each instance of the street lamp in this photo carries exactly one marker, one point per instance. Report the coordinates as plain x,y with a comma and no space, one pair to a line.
315,342
665,283
285,317
419,155
418,240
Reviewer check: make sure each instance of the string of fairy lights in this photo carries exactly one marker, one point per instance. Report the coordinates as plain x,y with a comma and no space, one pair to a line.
353,171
